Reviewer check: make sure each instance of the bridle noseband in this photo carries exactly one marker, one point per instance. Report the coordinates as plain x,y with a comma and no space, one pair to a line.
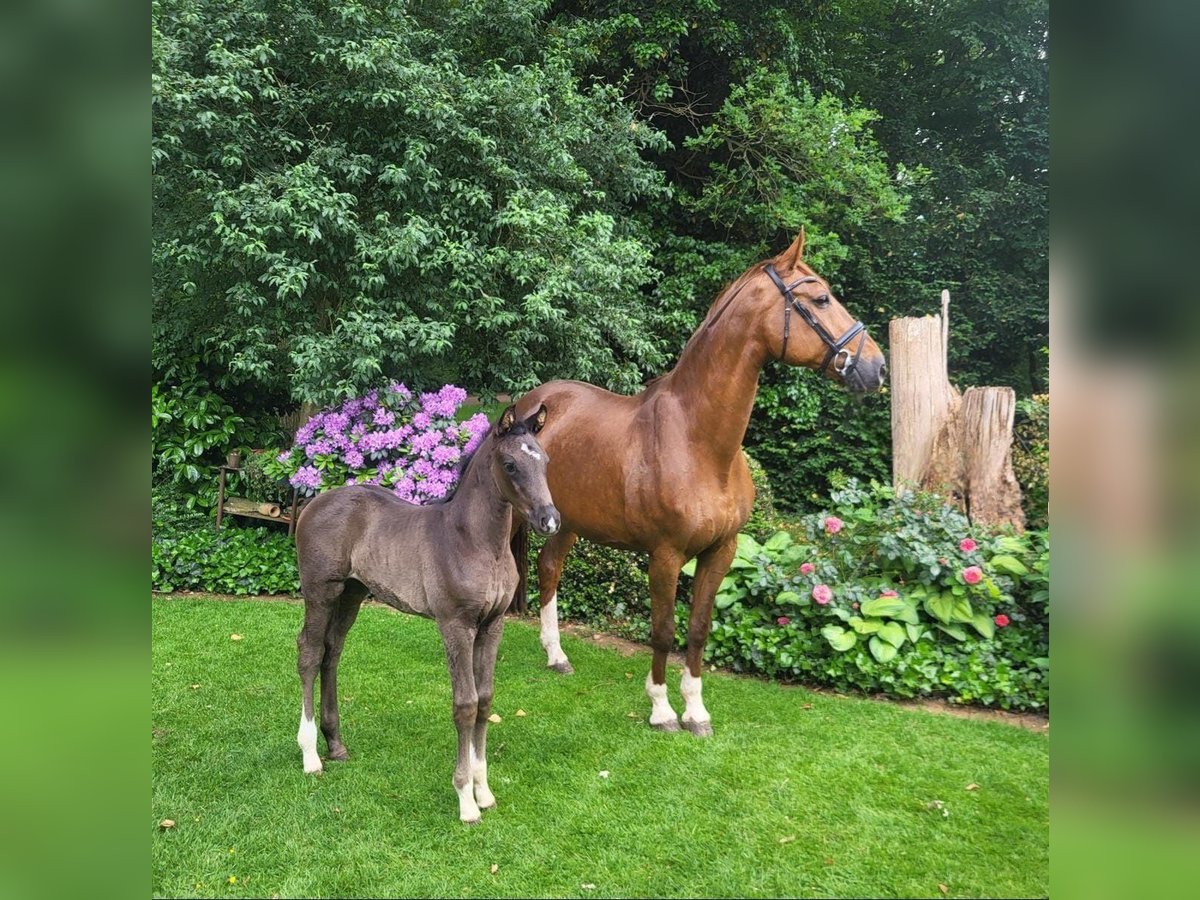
836,348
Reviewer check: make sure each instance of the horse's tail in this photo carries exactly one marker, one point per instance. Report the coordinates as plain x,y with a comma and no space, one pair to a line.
520,552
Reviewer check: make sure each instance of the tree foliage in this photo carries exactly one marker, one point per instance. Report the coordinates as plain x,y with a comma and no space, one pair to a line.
344,190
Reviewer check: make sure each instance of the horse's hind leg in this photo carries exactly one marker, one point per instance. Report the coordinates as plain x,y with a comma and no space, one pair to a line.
335,639
550,564
319,608
487,643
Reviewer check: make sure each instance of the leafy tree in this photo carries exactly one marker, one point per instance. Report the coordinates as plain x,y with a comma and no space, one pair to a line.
344,190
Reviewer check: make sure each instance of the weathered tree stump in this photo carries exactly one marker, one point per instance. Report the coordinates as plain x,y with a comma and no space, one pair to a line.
957,445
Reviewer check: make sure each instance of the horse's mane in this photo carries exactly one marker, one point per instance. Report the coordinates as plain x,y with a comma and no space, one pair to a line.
464,463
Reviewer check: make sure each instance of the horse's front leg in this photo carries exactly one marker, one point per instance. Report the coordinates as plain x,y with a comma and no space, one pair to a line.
487,644
550,565
459,641
664,578
711,566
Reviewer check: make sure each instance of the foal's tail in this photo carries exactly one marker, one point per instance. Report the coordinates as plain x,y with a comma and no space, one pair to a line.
520,552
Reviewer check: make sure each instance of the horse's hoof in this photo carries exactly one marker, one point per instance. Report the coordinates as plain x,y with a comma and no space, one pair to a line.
341,754
313,770
668,725
699,729
562,668
472,821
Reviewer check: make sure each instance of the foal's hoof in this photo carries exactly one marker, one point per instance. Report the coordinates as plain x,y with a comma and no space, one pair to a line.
562,668
470,822
668,725
339,753
699,729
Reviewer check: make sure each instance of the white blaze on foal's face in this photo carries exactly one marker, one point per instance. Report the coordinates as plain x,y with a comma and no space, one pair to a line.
529,451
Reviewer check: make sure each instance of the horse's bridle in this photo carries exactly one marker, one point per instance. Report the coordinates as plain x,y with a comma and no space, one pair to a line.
836,347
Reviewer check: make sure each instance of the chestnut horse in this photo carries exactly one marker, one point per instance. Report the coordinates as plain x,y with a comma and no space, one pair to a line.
451,562
663,472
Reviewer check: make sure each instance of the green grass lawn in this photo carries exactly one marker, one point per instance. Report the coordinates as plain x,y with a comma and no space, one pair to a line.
797,794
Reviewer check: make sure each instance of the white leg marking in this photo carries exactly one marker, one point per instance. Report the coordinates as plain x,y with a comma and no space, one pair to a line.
306,737
660,706
468,810
690,688
483,794
554,653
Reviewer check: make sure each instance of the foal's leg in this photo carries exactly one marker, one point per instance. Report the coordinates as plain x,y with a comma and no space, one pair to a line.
711,566
335,640
550,564
664,577
459,641
487,643
319,607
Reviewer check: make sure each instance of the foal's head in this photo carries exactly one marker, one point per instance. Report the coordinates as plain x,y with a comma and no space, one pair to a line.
519,469
805,325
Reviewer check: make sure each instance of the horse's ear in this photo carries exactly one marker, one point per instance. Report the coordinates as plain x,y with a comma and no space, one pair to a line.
537,421
793,254
506,420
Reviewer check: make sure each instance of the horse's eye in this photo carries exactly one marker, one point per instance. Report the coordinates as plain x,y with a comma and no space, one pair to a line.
821,300
510,467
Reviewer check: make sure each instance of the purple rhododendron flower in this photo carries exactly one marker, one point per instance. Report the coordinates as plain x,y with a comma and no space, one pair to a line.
383,416
354,459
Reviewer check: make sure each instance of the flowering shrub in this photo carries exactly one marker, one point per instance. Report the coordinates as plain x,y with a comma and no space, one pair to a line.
391,437
894,594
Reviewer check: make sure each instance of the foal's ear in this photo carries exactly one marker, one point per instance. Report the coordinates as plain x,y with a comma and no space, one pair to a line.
506,421
793,254
537,421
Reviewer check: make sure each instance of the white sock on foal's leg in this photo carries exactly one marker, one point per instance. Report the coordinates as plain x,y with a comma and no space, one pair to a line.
483,794
468,809
555,658
306,737
695,717
661,713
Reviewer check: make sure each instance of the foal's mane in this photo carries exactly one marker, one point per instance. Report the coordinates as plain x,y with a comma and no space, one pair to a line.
465,461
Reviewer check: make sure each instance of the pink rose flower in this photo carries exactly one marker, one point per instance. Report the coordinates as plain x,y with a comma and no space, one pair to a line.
888,593
833,525
854,605
966,545
1001,620
783,620
807,568
972,574
822,594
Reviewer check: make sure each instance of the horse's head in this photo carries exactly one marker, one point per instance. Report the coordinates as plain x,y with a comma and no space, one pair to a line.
805,325
519,469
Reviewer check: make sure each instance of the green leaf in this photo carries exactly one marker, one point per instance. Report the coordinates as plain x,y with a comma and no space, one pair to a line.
962,611
940,606
792,598
883,606
780,540
1009,565
881,650
984,625
914,632
909,614
893,633
747,547
955,631
865,626
839,638
689,568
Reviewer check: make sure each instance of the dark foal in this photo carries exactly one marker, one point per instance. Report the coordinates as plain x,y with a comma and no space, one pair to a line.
451,562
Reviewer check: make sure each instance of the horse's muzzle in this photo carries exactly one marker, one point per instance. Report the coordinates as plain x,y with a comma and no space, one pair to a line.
545,519
866,376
